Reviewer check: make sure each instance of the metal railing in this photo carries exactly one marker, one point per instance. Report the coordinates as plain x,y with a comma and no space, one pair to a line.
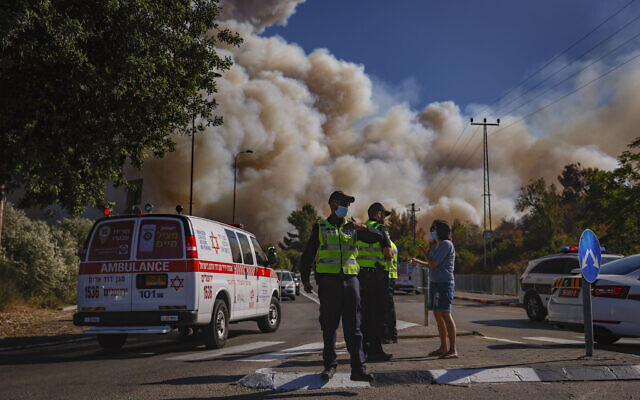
505,284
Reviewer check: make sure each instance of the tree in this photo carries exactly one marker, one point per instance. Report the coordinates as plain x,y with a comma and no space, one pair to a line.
293,243
88,86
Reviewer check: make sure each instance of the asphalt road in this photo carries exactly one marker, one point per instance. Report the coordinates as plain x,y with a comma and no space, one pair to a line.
173,367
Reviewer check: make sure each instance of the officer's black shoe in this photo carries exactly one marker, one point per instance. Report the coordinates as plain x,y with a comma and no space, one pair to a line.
327,373
379,356
361,376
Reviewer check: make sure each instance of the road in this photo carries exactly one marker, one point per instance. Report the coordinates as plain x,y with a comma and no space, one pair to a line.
173,367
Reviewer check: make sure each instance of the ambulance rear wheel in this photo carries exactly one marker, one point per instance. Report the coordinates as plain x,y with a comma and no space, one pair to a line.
218,329
271,321
112,342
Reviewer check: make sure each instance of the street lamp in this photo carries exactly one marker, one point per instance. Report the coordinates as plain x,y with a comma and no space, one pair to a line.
235,180
193,138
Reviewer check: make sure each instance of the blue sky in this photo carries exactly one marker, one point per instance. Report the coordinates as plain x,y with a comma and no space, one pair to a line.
465,51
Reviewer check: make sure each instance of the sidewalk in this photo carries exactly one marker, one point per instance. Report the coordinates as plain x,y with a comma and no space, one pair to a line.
482,360
503,300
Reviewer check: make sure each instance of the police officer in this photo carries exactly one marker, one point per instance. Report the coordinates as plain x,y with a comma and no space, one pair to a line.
332,244
374,285
390,330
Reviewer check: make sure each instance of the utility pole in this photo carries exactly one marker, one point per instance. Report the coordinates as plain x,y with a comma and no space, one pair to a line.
413,211
486,193
1,210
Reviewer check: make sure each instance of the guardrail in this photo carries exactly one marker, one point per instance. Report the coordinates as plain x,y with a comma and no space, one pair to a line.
506,284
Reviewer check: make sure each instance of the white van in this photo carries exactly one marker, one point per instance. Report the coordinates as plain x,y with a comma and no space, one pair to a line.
152,273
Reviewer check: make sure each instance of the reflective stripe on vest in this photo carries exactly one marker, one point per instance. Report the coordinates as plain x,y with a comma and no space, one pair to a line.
393,264
370,253
337,251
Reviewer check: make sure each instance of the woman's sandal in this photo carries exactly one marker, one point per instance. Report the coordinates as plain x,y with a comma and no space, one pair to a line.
437,353
449,355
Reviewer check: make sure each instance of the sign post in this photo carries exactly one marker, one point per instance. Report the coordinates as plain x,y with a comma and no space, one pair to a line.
427,297
589,257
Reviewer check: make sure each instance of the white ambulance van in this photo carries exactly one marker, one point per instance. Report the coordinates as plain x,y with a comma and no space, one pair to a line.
153,273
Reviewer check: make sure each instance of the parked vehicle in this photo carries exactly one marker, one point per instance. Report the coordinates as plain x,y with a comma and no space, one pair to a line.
296,279
615,300
155,272
537,279
287,284
410,278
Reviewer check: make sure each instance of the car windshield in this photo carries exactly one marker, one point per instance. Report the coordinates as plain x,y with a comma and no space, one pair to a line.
284,276
621,266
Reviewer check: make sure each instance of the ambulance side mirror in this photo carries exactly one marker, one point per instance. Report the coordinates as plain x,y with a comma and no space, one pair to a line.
272,256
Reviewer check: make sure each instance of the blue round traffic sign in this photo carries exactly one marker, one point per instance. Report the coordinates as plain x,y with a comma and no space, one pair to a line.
590,255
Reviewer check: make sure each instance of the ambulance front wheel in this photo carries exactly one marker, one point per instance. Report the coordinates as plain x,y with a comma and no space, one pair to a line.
112,342
218,329
271,321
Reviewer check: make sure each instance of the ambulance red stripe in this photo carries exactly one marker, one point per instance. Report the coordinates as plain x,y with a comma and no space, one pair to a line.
143,266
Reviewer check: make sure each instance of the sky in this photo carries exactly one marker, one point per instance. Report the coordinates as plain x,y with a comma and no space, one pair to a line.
465,51
374,98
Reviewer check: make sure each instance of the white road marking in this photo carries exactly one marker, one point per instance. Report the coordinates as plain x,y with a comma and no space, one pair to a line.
310,297
553,340
514,342
404,324
287,353
211,354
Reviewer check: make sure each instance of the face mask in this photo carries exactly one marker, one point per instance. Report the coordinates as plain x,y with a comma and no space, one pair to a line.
434,235
341,211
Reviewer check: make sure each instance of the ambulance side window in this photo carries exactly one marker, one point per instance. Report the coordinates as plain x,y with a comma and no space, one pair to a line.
261,257
246,249
235,248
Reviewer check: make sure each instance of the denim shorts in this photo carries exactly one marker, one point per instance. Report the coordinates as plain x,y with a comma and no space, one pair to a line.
440,296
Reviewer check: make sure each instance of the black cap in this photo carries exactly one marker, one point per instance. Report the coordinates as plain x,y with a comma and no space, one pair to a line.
341,197
375,207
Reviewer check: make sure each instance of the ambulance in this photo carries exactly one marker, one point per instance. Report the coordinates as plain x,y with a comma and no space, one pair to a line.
152,273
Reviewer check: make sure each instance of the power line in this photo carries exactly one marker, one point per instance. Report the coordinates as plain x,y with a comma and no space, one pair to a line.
567,65
496,101
558,55
537,111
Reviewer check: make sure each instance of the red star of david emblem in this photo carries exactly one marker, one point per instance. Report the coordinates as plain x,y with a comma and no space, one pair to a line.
176,283
214,243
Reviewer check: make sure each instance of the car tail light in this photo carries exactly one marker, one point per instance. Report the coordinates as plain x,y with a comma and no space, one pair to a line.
617,292
190,245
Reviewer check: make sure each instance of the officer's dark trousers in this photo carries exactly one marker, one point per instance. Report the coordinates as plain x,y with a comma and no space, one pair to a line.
340,297
391,332
374,286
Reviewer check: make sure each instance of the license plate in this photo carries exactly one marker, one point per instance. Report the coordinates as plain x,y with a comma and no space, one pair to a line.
569,292
151,281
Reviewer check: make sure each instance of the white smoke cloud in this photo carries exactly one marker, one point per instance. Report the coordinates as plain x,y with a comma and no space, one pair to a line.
318,124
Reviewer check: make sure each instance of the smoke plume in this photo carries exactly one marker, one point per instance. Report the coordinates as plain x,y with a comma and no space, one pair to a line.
315,125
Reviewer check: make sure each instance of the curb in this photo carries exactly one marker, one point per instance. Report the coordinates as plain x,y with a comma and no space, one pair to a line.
289,381
485,301
435,335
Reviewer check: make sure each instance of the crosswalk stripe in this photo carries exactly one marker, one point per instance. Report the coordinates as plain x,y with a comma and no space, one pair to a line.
553,340
404,324
514,342
211,354
288,353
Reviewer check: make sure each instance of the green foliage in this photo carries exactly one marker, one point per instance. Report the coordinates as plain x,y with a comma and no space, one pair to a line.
90,85
41,260
293,244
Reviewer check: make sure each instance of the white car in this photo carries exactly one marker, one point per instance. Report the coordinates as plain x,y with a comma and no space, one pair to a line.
287,284
615,299
536,281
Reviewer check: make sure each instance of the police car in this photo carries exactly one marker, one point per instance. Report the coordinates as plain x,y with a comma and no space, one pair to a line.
537,280
156,272
615,301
